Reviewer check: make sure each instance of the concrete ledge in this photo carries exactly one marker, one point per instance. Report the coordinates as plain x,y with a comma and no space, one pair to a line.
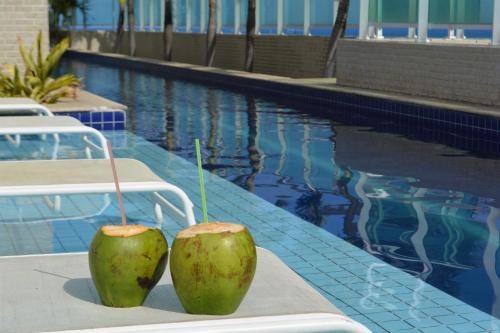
85,101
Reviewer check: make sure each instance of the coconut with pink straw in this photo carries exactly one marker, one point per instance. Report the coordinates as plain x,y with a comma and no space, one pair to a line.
126,261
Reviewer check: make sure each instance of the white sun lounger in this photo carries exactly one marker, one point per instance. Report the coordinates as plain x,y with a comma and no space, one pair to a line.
13,127
20,104
54,293
56,177
15,105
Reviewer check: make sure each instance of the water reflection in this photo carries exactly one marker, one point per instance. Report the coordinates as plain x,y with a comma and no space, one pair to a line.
425,207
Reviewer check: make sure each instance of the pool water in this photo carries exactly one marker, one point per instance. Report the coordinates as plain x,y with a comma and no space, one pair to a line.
410,196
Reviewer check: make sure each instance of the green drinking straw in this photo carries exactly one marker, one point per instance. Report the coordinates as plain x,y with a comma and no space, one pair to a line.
202,185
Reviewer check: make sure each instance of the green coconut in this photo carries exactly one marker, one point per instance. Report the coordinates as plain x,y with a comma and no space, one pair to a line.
212,266
126,262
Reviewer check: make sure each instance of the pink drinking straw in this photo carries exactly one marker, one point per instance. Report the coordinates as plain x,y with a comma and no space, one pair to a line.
117,185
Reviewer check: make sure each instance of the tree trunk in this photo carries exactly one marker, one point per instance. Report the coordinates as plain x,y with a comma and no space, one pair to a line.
131,27
212,7
337,33
121,26
168,30
250,48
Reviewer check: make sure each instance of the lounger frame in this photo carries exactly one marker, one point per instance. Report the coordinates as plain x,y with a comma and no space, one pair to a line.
57,190
23,106
85,130
33,106
299,323
136,187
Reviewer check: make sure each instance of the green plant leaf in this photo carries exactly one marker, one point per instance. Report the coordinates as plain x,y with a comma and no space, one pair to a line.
55,56
28,60
37,82
39,48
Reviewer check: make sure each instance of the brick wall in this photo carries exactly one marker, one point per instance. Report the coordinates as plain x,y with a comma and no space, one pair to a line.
292,56
459,73
21,18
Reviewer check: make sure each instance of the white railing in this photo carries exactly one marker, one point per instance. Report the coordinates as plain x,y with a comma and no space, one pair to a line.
496,23
366,28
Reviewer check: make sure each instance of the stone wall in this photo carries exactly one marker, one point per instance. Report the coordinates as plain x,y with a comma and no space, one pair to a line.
21,18
292,56
460,73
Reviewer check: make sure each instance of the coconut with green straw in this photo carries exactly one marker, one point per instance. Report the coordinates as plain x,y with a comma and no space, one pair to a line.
126,261
212,264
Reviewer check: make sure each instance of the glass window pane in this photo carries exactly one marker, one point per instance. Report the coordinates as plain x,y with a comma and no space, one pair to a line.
195,15
157,13
353,17
293,17
227,15
179,12
486,12
455,11
243,16
321,17
394,11
267,13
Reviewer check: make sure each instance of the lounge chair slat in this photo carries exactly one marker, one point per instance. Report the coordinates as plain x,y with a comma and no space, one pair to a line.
10,104
72,172
41,177
24,122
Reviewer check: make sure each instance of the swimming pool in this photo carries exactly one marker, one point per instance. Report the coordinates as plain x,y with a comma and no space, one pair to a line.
401,194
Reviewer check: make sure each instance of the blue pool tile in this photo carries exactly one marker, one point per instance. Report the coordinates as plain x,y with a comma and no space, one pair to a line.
438,329
84,117
96,117
384,316
119,126
341,294
423,322
473,315
374,327
306,270
329,267
491,325
451,319
119,116
446,301
107,116
467,328
394,326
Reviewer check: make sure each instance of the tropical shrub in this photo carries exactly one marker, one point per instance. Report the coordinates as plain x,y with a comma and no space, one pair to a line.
62,16
37,82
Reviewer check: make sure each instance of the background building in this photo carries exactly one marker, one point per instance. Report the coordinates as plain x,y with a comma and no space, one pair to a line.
22,19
